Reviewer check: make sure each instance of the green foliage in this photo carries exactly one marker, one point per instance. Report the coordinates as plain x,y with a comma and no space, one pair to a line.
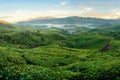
54,55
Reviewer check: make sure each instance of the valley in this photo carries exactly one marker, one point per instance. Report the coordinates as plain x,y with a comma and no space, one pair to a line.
57,51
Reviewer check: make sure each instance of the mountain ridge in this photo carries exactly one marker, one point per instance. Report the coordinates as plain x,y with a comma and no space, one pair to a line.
96,22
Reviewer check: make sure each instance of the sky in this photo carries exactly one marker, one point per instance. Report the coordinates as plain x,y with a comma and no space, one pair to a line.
19,10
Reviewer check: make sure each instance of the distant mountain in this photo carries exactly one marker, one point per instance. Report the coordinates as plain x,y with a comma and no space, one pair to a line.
96,22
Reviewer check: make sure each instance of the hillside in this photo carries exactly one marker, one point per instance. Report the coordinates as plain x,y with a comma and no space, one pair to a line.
55,54
5,25
79,53
3,22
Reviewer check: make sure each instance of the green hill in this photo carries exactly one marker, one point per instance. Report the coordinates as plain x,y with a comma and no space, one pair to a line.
5,25
56,54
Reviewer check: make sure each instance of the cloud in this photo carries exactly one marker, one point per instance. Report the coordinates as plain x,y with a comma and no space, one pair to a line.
98,4
88,8
66,13
63,3
115,11
20,15
4,17
113,14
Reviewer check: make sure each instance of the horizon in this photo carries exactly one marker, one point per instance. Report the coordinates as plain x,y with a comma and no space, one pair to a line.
21,10
45,18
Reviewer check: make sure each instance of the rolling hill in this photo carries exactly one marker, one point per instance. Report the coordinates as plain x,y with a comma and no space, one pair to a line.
5,25
3,22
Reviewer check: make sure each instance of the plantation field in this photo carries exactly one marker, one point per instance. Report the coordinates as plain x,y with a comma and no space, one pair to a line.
55,54
58,63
